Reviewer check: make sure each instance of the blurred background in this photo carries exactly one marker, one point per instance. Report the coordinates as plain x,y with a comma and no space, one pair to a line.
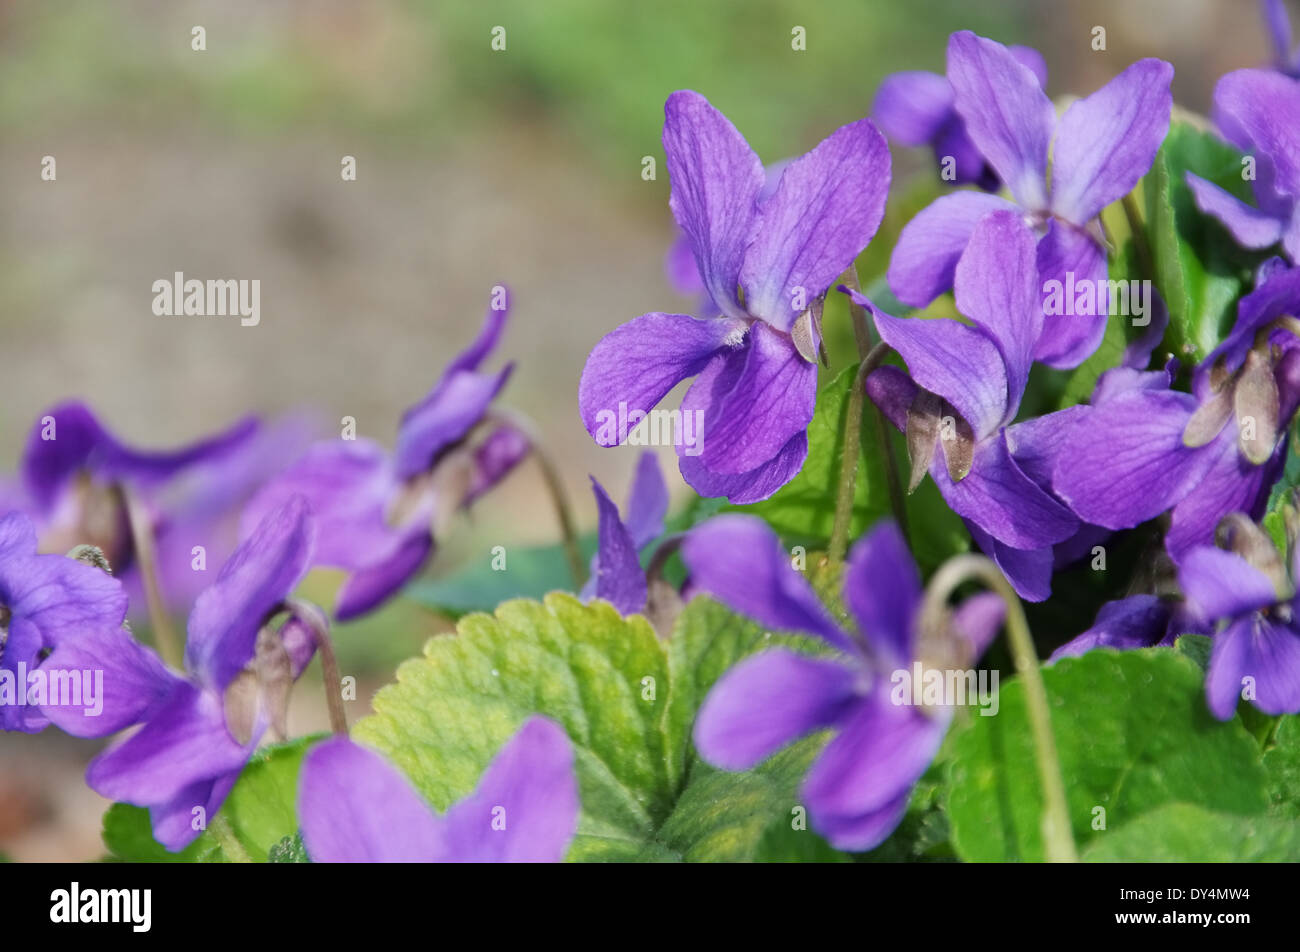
474,167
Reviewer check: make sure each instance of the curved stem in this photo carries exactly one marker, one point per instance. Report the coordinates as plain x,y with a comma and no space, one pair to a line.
555,486
1058,843
142,542
315,619
655,569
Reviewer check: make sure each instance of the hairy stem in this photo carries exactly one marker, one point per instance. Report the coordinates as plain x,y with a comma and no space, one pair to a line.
839,543
228,841
866,340
1058,844
315,619
142,542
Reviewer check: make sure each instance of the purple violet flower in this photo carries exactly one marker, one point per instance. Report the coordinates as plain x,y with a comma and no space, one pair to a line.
74,475
741,429
916,108
1138,621
355,807
376,511
616,573
857,789
45,601
961,394
196,735
1132,456
1256,645
1100,148
1258,111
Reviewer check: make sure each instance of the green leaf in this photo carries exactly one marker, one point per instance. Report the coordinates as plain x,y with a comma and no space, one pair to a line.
1196,647
1282,761
261,811
803,511
627,701
289,850
529,573
1132,732
1184,832
1199,269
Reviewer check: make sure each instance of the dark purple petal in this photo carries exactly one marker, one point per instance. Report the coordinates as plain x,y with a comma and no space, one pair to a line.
739,561
767,402
187,741
716,180
355,807
636,364
489,335
912,107
23,645
1221,584
525,809
371,585
1273,297
1071,256
1126,461
61,597
1003,501
1249,227
1228,484
617,569
766,702
952,360
882,588
1138,621
264,570
745,488
893,391
500,452
1007,114
826,208
1028,570
879,753
435,425
682,272
1107,141
1268,654
996,286
647,501
1032,60
924,260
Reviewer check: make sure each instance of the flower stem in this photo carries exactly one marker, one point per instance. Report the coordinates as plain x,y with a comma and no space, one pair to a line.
315,619
852,449
1146,261
227,840
142,542
866,341
1058,843
555,486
